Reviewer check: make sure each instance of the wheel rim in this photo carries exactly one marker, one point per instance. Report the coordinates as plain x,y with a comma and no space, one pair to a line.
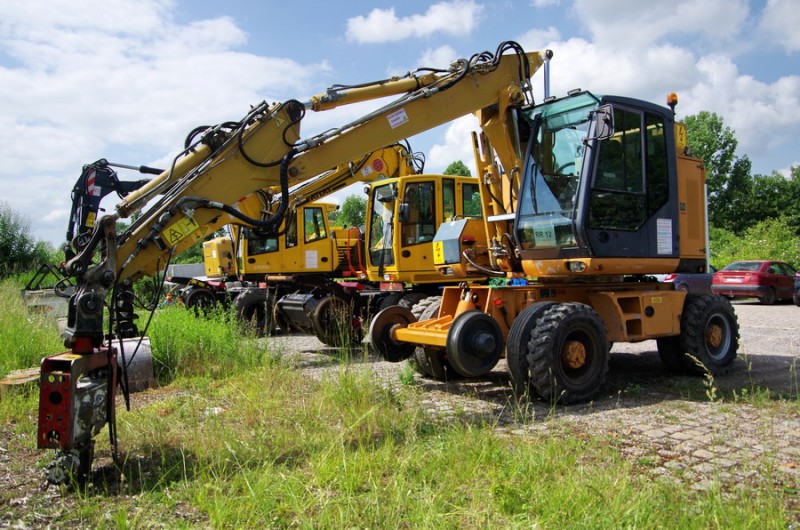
474,344
380,333
717,336
333,321
573,354
577,356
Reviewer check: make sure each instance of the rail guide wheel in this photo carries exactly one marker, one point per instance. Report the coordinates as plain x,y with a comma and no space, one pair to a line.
380,333
474,343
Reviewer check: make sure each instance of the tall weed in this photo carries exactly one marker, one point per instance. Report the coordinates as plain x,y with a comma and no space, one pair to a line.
25,335
210,344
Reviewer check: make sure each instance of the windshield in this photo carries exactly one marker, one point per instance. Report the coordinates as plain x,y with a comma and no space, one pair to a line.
553,172
380,225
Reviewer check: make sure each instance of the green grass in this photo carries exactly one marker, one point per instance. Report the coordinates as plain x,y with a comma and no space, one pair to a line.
239,438
212,344
25,335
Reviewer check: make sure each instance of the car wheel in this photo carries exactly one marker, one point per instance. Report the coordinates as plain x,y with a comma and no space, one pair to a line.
769,297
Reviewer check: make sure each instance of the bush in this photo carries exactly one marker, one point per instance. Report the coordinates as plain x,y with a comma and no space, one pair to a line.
19,251
772,239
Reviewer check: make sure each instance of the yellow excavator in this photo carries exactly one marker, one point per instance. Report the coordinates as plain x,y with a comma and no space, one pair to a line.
603,194
216,181
582,198
329,280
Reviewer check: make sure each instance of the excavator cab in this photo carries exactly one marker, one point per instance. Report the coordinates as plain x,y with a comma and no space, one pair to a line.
599,191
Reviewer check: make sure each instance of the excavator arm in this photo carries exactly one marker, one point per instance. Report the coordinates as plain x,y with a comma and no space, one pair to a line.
221,168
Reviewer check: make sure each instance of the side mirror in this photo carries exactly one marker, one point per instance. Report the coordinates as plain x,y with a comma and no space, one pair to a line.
604,122
390,197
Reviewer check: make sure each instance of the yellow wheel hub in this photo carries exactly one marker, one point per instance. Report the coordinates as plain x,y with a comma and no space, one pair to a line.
574,354
714,335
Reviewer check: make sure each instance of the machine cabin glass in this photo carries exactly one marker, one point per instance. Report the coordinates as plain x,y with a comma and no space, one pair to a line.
584,196
552,174
381,218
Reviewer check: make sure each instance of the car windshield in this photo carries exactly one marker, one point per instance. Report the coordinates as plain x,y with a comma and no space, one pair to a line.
744,266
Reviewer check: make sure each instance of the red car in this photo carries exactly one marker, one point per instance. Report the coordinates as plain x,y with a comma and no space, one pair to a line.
766,280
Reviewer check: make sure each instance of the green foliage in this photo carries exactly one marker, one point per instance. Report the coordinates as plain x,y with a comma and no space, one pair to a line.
210,344
774,195
19,250
353,212
280,449
458,168
770,239
727,175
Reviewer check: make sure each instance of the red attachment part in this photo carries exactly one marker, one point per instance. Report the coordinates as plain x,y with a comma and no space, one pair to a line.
59,398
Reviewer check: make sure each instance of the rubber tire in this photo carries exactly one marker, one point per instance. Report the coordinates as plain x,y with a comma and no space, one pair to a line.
517,346
671,353
796,299
549,377
410,299
389,300
332,322
199,300
768,298
464,330
700,312
431,362
421,308
255,312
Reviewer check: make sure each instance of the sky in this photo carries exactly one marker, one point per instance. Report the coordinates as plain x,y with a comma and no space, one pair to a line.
126,80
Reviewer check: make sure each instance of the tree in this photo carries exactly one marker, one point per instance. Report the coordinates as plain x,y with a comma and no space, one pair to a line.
458,168
728,176
353,211
770,239
19,250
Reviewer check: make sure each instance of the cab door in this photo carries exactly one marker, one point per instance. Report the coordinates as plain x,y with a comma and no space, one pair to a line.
308,242
420,213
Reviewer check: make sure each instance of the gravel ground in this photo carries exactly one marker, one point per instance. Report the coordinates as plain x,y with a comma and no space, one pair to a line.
674,427
670,426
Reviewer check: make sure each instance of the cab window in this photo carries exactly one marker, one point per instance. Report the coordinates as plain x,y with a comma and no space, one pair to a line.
418,214
314,223
631,182
261,245
472,201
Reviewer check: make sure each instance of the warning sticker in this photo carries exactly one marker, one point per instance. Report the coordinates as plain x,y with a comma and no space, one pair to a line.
438,252
378,165
174,233
397,118
366,171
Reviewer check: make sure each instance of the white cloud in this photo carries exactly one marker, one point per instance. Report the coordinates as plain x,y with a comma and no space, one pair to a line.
90,79
457,145
780,22
545,3
440,57
632,24
537,39
458,17
761,114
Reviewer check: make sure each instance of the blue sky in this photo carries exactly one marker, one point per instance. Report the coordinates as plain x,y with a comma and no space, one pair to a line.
126,80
